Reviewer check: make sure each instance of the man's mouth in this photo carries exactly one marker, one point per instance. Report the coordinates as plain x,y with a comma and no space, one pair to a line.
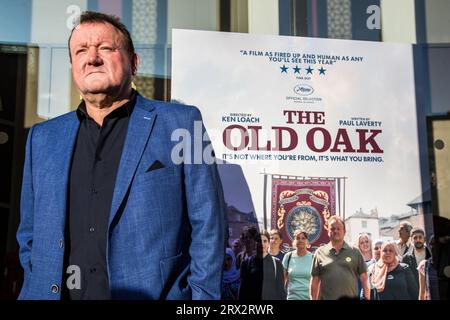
92,72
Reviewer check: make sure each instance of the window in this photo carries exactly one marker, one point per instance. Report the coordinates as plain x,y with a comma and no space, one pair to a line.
364,224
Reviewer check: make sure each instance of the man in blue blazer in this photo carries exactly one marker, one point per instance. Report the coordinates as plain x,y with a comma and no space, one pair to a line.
114,205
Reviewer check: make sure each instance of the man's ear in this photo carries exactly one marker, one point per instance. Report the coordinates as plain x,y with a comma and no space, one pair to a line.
135,62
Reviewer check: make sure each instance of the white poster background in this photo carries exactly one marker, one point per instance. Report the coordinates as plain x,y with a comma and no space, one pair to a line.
231,73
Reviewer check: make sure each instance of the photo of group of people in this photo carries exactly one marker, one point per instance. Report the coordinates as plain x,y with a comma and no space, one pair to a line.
257,266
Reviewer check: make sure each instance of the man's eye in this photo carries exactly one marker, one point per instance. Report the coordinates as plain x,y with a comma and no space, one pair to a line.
106,49
79,51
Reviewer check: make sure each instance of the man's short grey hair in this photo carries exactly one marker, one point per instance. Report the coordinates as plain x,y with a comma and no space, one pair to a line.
98,17
408,226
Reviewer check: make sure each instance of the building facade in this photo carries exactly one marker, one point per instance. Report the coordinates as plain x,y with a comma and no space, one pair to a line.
361,222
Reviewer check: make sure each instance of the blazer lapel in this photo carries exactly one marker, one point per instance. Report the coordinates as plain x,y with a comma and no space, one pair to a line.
139,128
69,132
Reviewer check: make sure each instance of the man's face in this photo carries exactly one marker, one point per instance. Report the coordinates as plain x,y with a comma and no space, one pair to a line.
275,242
100,61
418,240
336,231
403,233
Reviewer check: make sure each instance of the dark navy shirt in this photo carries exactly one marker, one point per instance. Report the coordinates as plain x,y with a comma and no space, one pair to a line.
93,173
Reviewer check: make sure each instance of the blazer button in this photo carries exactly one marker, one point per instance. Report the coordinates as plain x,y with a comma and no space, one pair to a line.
55,288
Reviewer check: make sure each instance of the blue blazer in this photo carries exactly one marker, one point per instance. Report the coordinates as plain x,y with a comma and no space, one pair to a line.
166,226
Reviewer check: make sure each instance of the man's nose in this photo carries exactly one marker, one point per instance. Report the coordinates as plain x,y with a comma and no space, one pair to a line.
93,56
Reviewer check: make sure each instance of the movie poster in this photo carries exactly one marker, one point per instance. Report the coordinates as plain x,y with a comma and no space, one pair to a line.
303,128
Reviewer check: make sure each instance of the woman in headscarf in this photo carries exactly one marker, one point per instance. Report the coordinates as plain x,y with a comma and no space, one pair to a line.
391,279
230,281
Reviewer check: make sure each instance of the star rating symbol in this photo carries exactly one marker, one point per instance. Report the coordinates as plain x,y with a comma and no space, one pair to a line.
297,69
322,71
309,70
284,69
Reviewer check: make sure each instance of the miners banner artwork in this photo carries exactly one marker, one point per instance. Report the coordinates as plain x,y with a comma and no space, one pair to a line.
303,127
304,205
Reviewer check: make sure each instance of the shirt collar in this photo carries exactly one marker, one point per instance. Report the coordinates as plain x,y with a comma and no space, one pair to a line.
399,242
330,247
123,111
346,246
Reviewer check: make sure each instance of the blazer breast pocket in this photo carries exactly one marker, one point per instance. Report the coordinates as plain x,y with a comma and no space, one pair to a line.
157,175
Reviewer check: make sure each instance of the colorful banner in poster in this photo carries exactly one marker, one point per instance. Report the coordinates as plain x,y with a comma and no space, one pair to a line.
277,106
305,205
